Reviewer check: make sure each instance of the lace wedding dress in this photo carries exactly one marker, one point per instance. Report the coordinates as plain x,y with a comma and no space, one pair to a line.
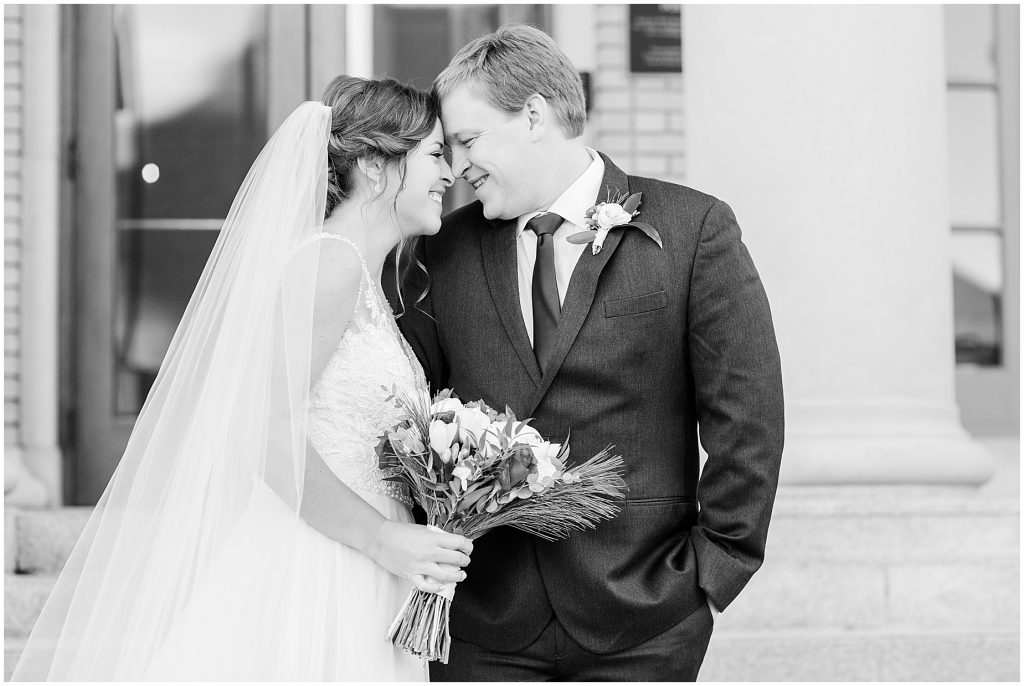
282,601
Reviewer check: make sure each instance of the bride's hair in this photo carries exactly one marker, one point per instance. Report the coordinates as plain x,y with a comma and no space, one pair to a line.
380,118
376,118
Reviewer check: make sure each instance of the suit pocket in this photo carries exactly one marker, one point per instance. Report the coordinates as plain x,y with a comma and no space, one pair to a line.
635,305
660,500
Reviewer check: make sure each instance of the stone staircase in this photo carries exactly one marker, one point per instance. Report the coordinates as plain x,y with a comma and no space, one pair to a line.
860,584
36,545
881,583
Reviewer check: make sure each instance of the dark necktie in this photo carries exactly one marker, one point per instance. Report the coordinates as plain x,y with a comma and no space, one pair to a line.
546,307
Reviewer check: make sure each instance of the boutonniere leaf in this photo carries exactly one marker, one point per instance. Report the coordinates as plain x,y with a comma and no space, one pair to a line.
631,204
649,230
617,214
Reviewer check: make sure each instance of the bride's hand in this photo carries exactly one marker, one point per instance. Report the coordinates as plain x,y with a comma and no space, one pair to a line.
414,552
429,584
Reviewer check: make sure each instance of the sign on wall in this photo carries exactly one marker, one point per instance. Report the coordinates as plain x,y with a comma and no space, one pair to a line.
655,39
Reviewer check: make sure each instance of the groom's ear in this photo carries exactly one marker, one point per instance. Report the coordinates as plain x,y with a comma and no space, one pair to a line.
537,111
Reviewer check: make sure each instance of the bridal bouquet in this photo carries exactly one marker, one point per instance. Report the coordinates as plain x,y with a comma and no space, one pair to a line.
472,469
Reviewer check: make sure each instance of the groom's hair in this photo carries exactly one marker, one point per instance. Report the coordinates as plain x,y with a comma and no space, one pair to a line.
513,63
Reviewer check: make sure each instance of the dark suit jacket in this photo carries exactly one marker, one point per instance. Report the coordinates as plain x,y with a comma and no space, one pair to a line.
652,343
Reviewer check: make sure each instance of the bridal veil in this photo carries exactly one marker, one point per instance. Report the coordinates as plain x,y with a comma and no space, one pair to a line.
228,407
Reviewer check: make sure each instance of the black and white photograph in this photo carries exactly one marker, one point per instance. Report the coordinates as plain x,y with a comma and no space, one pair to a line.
504,342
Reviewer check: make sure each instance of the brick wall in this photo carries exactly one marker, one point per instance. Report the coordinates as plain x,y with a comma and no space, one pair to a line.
636,119
13,15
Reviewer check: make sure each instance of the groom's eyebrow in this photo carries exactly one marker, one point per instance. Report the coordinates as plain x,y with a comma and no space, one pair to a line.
458,136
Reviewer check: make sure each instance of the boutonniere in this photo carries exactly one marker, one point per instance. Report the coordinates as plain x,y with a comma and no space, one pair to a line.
612,214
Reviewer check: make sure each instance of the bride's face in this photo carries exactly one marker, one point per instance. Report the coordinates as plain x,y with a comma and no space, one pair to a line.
427,177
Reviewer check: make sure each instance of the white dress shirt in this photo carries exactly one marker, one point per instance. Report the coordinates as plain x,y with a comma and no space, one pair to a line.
571,205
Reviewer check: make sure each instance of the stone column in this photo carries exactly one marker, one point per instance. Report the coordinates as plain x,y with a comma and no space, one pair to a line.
39,476
824,128
359,41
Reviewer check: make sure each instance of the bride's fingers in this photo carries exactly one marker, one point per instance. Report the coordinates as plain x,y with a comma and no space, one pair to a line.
451,557
425,583
455,542
446,574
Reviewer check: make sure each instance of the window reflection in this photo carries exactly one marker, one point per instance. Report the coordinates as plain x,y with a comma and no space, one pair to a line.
977,296
190,119
972,102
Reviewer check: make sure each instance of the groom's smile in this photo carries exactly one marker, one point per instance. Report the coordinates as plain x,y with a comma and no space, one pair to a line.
493,151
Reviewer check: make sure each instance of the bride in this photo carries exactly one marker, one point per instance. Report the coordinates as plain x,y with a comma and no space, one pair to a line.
247,533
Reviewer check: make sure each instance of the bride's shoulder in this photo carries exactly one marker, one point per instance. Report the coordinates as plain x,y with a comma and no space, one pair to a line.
339,262
339,283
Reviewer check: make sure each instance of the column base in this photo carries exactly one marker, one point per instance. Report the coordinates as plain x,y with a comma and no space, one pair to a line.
884,442
22,488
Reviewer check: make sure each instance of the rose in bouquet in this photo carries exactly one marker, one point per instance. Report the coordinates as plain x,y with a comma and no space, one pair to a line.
472,469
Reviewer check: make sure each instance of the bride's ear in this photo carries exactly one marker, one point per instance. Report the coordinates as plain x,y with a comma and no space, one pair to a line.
372,169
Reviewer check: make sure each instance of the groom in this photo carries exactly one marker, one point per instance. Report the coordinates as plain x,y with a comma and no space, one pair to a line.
638,345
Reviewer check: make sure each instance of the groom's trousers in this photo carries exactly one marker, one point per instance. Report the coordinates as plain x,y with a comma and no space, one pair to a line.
673,655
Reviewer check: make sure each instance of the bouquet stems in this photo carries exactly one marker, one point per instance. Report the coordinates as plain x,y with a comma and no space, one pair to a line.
421,627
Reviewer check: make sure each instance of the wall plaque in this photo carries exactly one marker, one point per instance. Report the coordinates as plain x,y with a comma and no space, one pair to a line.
655,39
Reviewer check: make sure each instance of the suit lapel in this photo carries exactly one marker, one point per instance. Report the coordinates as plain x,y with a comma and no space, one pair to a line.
500,266
579,298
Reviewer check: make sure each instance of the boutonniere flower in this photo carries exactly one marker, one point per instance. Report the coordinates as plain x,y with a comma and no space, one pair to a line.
615,213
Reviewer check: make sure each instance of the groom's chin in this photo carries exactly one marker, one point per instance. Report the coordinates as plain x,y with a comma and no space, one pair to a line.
492,212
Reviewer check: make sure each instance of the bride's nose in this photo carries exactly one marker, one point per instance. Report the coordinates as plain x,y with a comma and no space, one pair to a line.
446,173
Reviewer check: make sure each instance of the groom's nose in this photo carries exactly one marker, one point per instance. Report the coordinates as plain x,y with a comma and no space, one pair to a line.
460,163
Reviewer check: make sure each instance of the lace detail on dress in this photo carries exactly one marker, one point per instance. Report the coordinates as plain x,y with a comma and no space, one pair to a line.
348,409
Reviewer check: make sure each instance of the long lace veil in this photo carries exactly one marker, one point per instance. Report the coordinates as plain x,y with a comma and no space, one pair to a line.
228,407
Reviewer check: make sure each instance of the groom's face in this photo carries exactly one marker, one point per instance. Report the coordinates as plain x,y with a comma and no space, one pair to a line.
494,151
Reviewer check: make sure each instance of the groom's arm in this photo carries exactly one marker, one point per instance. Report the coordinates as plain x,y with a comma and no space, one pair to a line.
738,382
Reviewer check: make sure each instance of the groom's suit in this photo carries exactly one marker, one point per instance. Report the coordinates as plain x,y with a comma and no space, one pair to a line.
651,342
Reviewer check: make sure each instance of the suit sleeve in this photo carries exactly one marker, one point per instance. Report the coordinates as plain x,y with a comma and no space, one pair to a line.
420,329
738,381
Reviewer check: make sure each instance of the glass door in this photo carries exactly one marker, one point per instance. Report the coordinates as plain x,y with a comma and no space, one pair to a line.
170,106
174,102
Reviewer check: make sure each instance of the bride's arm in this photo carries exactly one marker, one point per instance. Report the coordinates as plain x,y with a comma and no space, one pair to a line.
407,550
427,558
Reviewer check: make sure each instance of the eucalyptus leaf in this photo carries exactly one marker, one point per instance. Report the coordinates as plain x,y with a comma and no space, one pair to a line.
472,498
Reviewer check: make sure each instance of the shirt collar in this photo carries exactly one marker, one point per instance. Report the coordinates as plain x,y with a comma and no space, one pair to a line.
573,203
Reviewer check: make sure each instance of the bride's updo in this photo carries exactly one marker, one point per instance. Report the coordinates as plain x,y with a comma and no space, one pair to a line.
380,118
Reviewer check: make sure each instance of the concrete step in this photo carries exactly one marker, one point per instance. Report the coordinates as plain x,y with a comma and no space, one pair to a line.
12,650
783,656
855,582
24,596
882,524
866,583
982,593
40,541
891,524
